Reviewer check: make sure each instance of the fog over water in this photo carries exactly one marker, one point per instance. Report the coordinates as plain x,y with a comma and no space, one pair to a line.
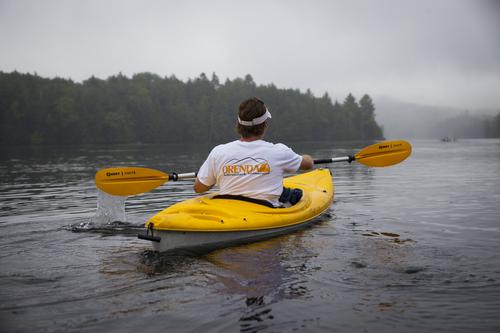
444,53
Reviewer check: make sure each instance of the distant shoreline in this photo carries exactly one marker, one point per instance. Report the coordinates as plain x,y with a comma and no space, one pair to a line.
152,109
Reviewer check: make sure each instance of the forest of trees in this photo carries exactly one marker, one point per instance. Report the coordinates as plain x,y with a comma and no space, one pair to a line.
148,108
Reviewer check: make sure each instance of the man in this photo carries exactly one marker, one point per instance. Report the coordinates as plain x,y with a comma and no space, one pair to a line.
250,167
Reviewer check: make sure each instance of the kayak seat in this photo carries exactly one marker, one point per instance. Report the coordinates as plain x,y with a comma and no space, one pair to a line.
290,196
243,198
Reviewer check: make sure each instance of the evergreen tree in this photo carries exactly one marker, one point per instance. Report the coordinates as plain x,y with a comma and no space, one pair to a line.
369,127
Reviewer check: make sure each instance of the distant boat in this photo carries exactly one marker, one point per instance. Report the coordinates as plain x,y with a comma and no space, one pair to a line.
449,139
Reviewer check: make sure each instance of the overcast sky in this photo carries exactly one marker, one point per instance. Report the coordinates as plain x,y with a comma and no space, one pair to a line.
444,52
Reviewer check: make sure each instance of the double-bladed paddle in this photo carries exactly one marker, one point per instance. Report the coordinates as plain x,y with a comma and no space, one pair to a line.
124,181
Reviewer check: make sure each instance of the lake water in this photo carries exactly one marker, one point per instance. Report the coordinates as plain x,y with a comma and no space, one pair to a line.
410,248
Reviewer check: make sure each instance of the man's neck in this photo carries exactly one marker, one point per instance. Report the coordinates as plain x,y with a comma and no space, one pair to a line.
251,139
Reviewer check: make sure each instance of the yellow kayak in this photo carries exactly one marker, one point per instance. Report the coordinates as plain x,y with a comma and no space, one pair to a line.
206,221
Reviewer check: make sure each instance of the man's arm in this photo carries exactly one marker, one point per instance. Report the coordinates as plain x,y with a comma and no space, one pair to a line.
199,187
307,163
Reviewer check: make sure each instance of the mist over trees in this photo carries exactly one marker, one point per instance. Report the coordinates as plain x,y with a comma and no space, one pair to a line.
462,125
492,127
411,120
148,108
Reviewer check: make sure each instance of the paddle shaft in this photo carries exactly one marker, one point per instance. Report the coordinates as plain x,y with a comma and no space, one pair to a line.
177,176
335,159
349,159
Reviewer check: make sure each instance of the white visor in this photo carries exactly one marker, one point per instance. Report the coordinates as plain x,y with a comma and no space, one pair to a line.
255,121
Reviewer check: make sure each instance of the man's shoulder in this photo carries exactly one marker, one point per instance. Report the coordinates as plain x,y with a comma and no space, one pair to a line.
224,147
281,147
234,145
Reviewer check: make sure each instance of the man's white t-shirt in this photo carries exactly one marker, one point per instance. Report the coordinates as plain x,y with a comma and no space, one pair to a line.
252,169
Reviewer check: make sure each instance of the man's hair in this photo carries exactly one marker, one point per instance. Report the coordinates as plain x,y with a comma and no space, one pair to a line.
250,109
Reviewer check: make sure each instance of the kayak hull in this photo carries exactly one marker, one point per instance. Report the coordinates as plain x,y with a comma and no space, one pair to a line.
208,222
173,240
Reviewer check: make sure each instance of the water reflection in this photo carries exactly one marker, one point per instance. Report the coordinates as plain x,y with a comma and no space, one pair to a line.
163,264
263,274
253,270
